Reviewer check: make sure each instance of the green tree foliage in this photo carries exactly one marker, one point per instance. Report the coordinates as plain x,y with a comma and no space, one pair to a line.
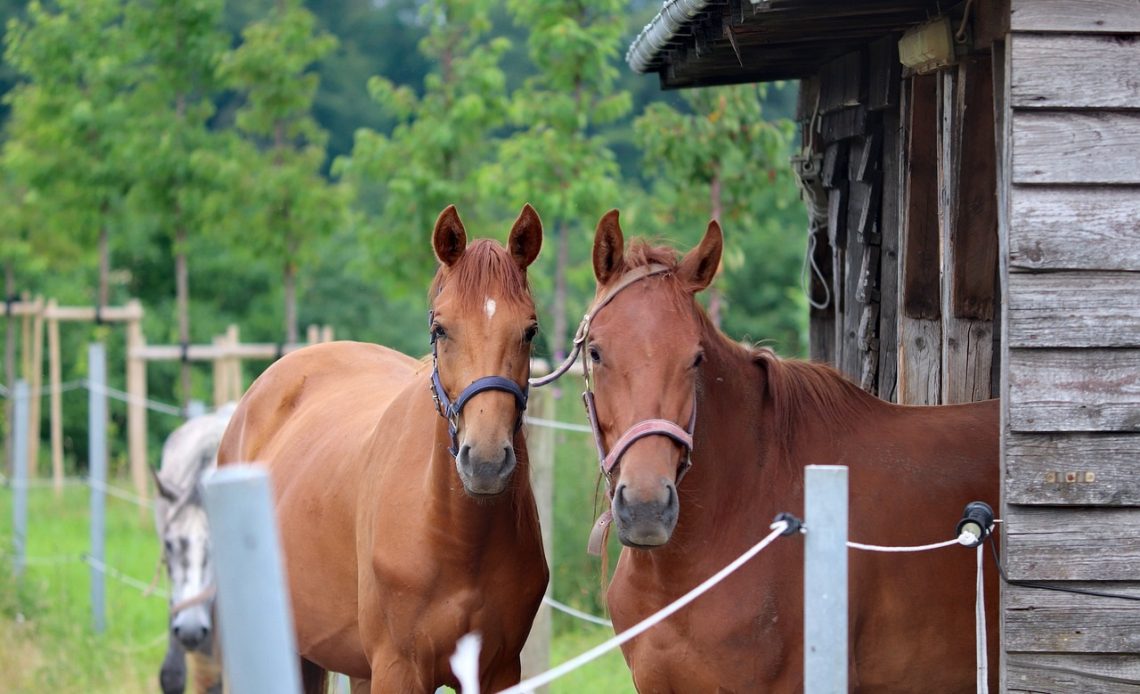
558,160
433,155
721,158
293,206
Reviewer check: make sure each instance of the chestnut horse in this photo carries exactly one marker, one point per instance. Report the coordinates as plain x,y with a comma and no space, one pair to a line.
653,356
402,529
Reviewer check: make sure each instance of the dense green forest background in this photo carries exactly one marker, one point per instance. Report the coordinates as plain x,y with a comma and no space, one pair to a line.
273,164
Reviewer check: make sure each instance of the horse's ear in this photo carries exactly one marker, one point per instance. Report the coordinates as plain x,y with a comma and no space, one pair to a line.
609,248
526,237
164,491
700,264
449,237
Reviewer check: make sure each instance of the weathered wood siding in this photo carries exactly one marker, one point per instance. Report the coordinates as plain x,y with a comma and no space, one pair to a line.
1069,112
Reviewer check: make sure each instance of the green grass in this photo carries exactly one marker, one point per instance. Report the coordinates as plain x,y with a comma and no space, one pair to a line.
47,614
47,643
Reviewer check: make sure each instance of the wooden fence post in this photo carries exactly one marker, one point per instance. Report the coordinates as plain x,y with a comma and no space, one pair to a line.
35,384
20,477
55,383
97,471
540,447
234,380
825,580
256,627
136,404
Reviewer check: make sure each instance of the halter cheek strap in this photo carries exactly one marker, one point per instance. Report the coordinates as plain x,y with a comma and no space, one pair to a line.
450,410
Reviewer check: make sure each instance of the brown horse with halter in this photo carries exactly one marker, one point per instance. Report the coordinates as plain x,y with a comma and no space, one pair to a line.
664,387
402,485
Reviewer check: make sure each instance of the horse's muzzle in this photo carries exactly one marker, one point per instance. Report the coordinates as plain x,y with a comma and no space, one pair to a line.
645,520
485,474
191,628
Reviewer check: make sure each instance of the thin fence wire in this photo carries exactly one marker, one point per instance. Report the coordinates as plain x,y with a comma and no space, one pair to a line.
147,589
574,612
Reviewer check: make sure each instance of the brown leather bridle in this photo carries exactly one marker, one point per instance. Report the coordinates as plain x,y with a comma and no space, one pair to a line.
608,462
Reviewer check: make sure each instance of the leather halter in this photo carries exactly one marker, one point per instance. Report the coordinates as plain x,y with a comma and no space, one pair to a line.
646,427
450,410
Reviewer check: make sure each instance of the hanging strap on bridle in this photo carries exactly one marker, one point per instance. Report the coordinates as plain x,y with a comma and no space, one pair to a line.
583,332
450,410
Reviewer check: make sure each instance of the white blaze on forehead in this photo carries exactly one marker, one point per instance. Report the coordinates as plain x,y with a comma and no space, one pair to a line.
489,307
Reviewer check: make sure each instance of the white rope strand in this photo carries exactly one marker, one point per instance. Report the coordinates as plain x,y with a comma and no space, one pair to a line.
980,628
584,616
120,494
963,539
555,424
144,588
649,622
123,396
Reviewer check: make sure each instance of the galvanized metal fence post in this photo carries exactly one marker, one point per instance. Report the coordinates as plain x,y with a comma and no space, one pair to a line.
20,478
97,475
255,625
825,580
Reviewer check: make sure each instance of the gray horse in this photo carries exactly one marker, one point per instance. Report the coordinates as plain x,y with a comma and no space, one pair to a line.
189,452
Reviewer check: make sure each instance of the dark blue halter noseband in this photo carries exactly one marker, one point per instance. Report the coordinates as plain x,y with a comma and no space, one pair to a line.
450,410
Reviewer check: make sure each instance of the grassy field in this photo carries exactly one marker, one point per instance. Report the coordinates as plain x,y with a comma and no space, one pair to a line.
47,643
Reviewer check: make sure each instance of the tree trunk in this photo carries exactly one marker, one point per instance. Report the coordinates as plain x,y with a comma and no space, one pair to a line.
715,299
561,263
9,365
104,263
290,288
182,288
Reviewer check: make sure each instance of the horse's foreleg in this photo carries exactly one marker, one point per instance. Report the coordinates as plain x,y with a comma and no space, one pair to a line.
397,675
172,675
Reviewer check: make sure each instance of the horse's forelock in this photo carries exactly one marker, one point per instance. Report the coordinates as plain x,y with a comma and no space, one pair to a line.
484,269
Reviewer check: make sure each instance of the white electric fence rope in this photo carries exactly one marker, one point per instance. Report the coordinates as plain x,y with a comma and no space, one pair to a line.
645,624
964,539
145,588
573,612
980,630
120,494
123,396
555,424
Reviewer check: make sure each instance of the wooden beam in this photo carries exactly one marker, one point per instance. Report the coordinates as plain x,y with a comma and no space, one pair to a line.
1074,309
1082,228
1074,390
1072,469
892,198
36,384
109,314
136,405
1076,147
884,74
56,405
920,286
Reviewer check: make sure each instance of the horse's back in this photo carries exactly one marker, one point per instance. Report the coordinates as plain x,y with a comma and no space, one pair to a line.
342,385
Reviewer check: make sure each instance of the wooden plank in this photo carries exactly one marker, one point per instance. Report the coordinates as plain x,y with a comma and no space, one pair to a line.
1072,544
1076,16
919,237
1076,147
1058,71
1110,673
1054,228
973,237
967,343
1072,469
1074,390
841,82
920,361
845,123
884,73
1049,621
892,198
851,357
1074,309
834,168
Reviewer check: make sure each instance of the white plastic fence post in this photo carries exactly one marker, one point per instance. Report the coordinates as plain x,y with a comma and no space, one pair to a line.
20,478
825,580
255,623
97,474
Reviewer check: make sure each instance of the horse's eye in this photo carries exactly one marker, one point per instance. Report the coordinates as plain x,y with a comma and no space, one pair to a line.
169,546
699,359
438,332
528,336
595,355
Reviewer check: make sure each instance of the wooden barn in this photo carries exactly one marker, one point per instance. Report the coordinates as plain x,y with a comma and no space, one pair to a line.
973,177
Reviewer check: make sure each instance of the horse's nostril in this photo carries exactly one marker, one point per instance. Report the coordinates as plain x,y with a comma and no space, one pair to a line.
177,630
619,495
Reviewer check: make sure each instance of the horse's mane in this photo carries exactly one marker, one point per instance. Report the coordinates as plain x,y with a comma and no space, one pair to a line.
483,267
797,391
